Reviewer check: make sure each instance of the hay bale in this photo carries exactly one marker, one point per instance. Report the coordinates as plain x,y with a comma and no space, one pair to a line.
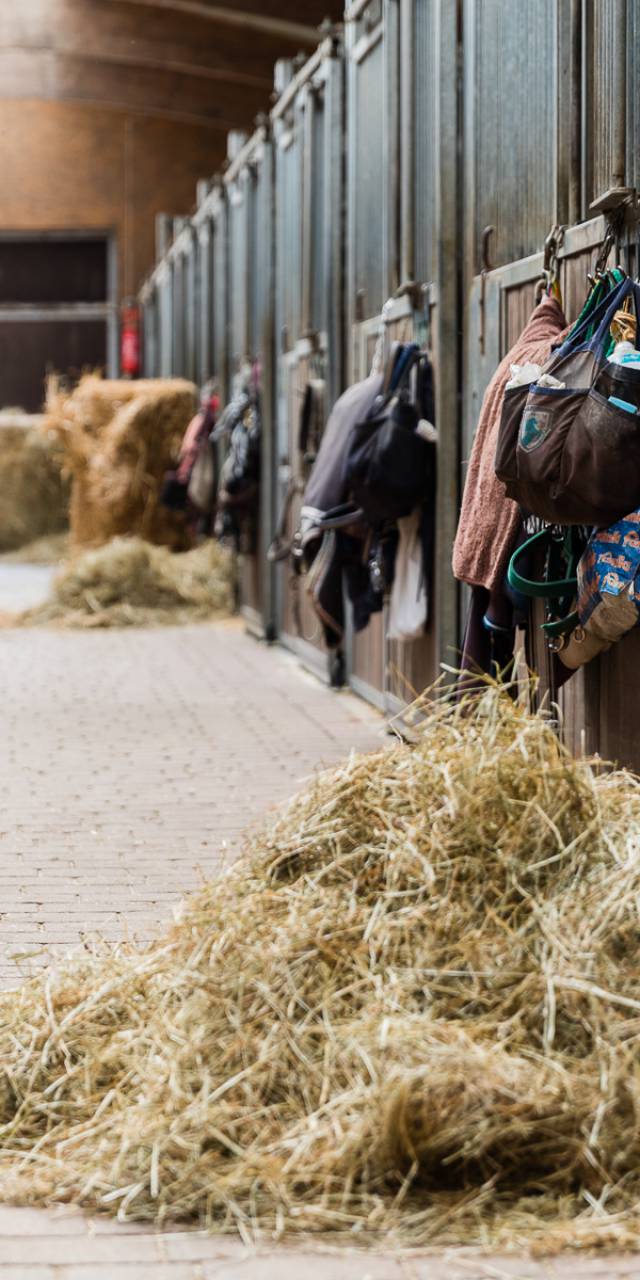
119,438
408,1014
34,494
129,582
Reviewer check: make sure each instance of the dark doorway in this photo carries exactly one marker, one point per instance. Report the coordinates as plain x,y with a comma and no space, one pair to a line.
55,312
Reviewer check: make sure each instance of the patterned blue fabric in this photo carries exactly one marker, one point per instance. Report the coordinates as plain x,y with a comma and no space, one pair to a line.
610,566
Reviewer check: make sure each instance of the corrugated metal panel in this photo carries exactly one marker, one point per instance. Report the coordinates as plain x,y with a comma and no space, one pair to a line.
238,196
318,295
367,178
177,310
289,225
426,114
204,302
633,93
612,28
165,298
190,308
220,262
510,91
261,284
255,265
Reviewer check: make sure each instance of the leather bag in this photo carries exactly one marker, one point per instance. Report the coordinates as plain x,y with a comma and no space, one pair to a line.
391,465
567,454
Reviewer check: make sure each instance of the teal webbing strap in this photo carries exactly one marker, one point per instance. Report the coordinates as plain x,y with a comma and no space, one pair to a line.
540,590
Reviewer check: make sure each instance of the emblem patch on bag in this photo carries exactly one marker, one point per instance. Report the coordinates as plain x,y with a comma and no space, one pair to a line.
534,429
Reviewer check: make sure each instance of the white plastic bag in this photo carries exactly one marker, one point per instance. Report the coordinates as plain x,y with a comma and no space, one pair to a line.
408,604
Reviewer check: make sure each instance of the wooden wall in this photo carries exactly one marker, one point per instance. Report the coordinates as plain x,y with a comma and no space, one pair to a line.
71,166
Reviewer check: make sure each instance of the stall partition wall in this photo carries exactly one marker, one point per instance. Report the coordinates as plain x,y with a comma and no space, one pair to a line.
402,273
580,159
307,125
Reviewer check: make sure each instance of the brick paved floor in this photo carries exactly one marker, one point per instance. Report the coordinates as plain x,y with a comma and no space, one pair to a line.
131,761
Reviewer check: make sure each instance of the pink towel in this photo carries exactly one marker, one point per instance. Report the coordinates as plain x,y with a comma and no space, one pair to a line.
489,521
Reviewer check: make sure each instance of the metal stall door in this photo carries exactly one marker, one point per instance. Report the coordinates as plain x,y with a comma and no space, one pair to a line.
402,254
505,221
580,159
248,184
426,305
611,178
373,114
499,308
307,127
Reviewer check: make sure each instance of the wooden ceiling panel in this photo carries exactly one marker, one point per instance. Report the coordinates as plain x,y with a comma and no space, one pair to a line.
185,59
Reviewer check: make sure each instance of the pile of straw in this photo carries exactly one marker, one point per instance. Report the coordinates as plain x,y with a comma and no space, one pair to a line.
49,549
119,438
129,582
410,1012
34,495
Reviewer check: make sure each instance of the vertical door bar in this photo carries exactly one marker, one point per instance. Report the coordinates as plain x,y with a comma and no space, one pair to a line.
574,212
334,221
391,178
350,221
264,190
407,140
447,325
587,86
619,95
308,111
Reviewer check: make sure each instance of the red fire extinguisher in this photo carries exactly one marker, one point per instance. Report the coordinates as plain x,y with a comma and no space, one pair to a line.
130,340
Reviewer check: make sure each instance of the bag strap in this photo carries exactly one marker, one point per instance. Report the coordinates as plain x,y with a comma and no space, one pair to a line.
598,321
535,587
539,588
547,589
403,366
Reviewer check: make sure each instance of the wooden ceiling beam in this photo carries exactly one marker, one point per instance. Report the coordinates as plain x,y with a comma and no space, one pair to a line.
109,28
228,73
151,91
305,34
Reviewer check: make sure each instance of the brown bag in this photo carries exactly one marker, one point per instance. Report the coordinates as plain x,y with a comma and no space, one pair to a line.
567,454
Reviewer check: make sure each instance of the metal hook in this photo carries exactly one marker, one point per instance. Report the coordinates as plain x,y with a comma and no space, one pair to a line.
613,227
486,267
550,261
485,262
